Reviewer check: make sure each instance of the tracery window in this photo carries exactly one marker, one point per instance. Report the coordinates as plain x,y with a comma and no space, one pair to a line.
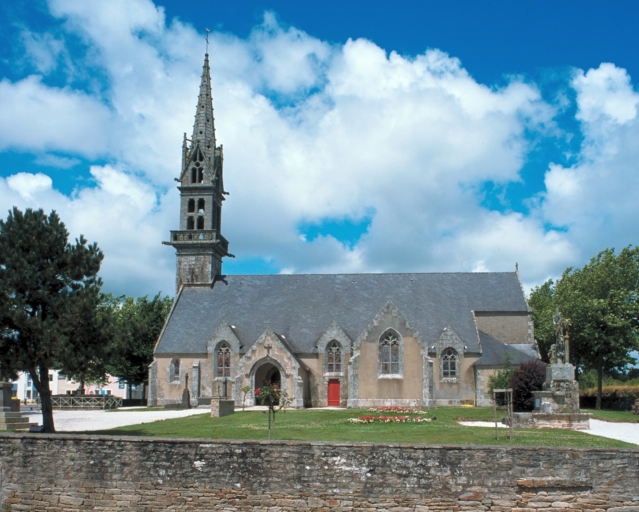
175,370
389,354
450,364
224,361
333,357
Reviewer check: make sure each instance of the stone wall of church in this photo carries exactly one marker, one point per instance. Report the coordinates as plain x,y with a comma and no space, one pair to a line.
459,391
168,386
405,389
67,472
507,328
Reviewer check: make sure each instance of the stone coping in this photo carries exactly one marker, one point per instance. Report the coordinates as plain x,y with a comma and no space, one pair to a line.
238,442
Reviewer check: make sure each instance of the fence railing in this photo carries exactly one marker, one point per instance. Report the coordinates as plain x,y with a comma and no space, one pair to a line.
86,402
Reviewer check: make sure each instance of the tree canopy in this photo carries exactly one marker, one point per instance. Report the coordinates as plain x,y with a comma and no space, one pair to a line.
138,324
601,300
48,289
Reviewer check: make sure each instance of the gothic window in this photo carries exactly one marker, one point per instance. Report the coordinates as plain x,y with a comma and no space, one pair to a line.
223,357
174,370
450,364
218,217
200,222
190,223
389,354
200,175
333,357
200,205
193,174
191,208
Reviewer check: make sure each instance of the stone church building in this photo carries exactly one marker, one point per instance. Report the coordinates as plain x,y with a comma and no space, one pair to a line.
349,340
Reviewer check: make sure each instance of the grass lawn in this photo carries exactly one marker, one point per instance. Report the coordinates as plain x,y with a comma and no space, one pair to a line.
332,425
613,416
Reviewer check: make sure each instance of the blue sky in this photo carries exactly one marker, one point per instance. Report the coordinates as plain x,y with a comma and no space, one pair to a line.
360,136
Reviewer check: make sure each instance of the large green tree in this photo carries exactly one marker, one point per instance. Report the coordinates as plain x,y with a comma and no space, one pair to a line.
46,284
601,300
138,324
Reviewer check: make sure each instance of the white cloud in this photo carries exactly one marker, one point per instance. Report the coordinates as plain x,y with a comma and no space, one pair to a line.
28,185
409,139
60,162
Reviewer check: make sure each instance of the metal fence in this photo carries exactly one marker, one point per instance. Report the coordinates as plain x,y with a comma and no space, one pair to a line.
86,402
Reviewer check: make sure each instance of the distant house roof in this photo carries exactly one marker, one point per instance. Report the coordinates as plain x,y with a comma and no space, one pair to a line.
494,352
302,306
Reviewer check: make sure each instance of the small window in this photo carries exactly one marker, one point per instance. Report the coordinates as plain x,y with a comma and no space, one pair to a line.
200,222
190,223
200,175
191,208
193,174
175,370
121,384
224,361
450,364
333,357
389,353
200,205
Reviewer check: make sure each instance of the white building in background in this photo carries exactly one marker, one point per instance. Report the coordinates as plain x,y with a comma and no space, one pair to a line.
24,389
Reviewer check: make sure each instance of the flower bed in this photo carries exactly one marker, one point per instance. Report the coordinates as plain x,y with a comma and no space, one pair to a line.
635,408
390,408
389,419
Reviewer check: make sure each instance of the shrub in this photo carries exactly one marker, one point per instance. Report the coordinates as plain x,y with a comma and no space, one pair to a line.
524,380
619,398
635,408
501,380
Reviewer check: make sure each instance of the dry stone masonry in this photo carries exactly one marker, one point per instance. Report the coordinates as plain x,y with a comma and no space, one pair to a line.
73,473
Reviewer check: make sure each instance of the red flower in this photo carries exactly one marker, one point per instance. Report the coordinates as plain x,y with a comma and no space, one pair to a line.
257,391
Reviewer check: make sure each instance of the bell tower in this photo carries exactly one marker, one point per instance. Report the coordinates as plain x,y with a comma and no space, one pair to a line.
199,242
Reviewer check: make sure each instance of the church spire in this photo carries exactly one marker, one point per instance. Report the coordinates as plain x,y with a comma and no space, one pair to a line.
204,126
199,243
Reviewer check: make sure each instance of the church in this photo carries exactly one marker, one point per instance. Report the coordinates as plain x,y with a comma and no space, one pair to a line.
344,340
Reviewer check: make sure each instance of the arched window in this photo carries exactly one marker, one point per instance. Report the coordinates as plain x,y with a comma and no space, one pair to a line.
191,208
175,370
200,205
193,174
224,360
218,217
389,354
333,357
200,175
450,364
190,224
200,222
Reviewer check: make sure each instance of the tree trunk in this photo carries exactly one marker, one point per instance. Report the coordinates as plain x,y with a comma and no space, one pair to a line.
81,390
599,382
41,383
128,391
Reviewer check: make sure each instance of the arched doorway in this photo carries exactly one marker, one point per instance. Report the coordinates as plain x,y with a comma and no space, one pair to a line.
268,374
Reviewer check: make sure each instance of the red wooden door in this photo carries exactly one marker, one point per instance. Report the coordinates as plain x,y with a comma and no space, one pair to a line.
333,393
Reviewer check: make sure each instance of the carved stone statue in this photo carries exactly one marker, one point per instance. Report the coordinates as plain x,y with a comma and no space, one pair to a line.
552,355
560,348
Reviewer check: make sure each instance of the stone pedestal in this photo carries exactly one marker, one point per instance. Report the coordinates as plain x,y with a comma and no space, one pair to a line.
557,404
222,407
10,419
560,392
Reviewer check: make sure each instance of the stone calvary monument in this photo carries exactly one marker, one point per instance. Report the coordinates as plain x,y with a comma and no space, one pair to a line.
557,404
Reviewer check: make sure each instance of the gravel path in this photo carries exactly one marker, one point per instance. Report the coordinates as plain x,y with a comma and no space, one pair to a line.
628,432
79,420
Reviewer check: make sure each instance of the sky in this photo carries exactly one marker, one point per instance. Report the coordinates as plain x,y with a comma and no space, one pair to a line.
359,136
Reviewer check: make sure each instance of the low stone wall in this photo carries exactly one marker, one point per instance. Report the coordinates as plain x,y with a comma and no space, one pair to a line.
72,473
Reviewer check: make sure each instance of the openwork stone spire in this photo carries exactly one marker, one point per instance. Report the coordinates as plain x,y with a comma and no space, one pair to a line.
204,126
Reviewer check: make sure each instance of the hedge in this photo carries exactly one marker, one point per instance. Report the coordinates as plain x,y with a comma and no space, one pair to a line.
617,398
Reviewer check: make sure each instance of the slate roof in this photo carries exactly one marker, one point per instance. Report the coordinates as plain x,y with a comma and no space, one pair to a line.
494,352
302,306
